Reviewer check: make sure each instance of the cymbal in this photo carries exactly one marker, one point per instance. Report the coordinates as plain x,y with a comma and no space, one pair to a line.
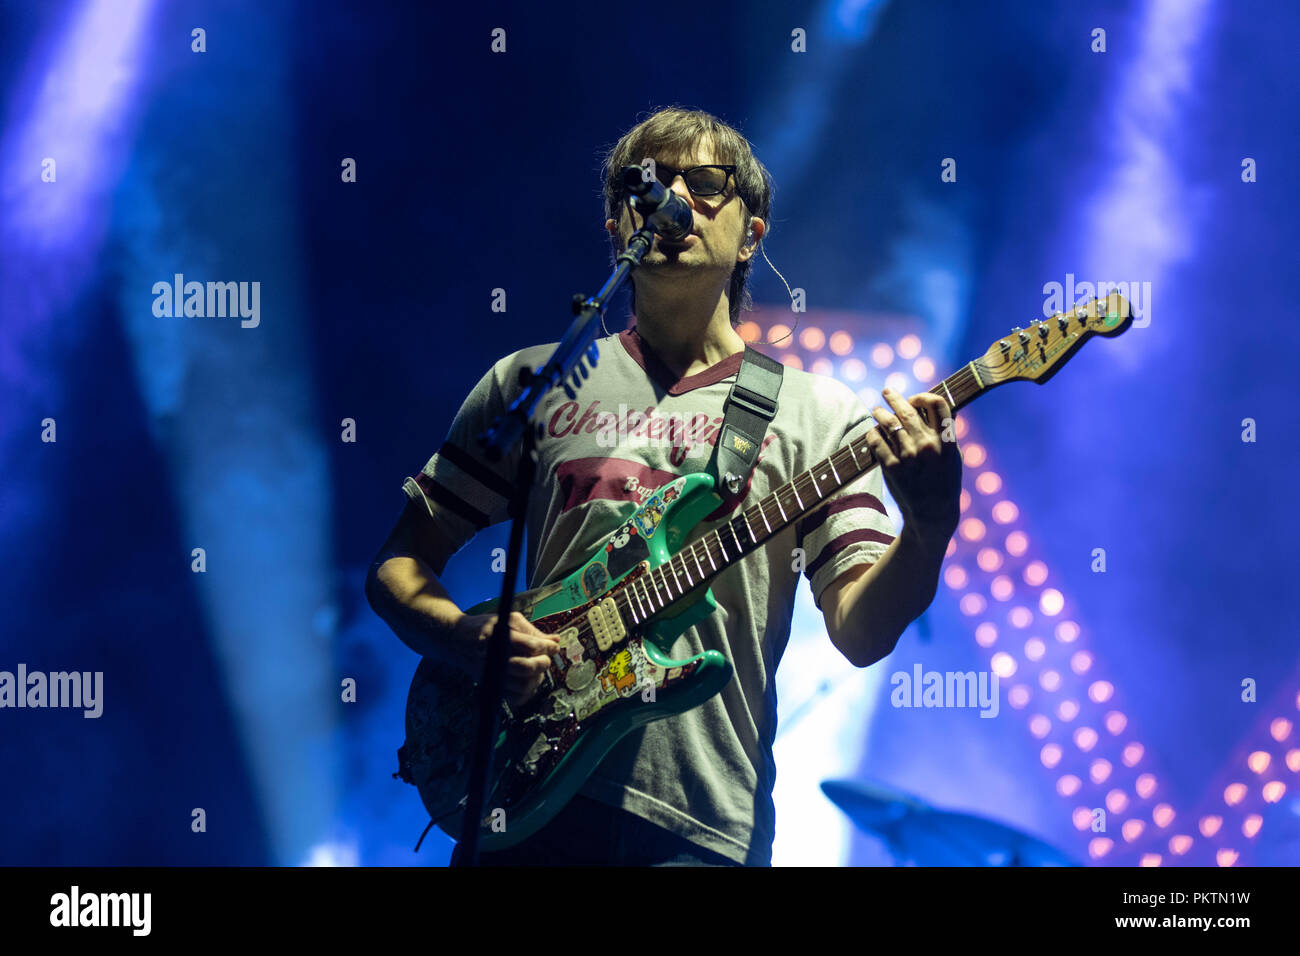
921,835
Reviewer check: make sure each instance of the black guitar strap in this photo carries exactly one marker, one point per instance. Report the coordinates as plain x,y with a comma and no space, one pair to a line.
750,406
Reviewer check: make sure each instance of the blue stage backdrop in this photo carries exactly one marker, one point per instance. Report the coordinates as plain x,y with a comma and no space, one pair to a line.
195,485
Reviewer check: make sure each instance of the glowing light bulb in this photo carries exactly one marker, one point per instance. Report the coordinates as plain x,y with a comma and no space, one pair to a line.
909,346
812,338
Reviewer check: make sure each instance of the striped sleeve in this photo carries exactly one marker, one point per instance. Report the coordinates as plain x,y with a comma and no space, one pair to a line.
851,528
463,490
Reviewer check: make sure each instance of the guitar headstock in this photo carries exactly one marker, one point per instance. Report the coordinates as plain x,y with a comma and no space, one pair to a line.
1036,354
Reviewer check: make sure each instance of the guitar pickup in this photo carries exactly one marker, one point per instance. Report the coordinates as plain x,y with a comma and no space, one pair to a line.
606,624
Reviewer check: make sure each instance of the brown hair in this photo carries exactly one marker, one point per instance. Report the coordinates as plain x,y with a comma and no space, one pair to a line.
675,132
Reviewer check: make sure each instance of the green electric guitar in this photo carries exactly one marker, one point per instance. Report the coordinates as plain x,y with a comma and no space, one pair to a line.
617,615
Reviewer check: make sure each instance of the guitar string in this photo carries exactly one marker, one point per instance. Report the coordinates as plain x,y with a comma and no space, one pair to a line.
658,578
842,458
964,384
959,387
959,383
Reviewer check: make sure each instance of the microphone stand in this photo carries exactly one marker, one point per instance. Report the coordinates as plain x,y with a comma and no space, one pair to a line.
564,366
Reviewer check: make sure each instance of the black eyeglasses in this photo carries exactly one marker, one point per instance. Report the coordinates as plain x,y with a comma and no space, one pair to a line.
709,180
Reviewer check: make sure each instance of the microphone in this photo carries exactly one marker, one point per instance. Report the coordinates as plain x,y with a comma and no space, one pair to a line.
665,212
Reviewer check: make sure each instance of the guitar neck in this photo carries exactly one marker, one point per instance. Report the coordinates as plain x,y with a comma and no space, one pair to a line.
699,562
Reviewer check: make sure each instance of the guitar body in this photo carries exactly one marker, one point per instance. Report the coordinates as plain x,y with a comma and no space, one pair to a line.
609,678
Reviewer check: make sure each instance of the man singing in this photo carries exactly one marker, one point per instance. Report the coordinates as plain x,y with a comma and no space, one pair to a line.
695,788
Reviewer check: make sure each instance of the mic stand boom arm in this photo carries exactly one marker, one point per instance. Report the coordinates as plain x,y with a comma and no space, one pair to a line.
566,367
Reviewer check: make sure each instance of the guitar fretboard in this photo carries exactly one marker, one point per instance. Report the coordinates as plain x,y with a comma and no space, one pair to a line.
699,562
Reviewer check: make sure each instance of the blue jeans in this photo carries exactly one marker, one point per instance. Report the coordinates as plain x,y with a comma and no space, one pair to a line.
590,833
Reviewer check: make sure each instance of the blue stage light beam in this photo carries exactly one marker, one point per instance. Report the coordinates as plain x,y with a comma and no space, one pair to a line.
72,117
929,272
232,407
803,113
1142,219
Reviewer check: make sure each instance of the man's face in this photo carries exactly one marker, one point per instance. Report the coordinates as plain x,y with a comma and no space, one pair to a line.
717,241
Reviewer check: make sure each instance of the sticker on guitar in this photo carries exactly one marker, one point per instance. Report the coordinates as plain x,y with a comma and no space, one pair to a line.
625,550
627,673
595,578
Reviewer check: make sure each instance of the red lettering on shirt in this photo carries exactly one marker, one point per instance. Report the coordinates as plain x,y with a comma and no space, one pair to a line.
568,408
